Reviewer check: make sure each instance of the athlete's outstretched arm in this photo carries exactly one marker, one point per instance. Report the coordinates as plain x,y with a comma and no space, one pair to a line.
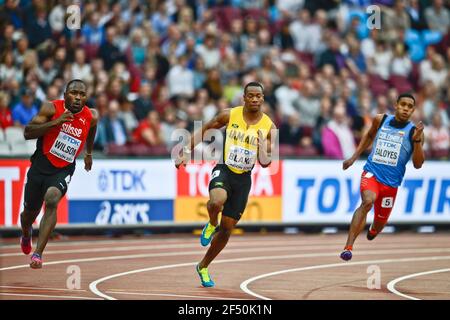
265,146
90,141
41,123
365,142
217,122
418,156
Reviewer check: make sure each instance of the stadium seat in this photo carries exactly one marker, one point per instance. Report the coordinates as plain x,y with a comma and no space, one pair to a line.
14,134
91,51
431,37
4,148
116,150
256,14
159,151
356,13
19,148
307,58
31,145
307,152
225,15
377,85
416,52
412,36
286,150
307,131
140,150
414,77
439,154
400,83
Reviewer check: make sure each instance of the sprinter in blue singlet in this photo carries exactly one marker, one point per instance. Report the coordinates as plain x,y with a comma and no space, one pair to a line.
395,140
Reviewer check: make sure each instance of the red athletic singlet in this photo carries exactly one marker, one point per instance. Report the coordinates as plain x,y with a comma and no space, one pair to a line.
62,144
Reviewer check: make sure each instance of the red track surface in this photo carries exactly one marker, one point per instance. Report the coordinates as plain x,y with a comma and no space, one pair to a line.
252,266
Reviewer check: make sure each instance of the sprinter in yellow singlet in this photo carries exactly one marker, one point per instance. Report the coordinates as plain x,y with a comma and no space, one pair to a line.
248,138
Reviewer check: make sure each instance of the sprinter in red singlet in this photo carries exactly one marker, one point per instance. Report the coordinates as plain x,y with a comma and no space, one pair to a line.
62,128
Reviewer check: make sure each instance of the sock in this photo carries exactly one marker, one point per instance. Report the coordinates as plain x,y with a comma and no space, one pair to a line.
349,248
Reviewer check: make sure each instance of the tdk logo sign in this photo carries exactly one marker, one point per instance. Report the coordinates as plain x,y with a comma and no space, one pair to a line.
121,180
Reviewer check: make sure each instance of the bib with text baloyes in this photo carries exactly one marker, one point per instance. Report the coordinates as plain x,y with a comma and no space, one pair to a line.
392,149
387,148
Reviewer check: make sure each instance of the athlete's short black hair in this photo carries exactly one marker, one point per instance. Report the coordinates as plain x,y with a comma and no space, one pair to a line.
253,84
406,95
73,81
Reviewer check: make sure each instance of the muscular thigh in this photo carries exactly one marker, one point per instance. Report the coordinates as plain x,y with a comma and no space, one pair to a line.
237,201
385,203
59,180
219,186
34,190
218,195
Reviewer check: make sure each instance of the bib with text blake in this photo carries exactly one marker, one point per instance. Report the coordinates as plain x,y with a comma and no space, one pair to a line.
241,158
241,140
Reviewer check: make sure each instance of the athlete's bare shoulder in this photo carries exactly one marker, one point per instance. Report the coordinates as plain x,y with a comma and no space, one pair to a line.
95,116
45,114
375,124
225,113
220,120
47,109
379,117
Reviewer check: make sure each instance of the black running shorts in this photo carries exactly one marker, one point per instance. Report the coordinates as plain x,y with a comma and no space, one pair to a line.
38,183
237,187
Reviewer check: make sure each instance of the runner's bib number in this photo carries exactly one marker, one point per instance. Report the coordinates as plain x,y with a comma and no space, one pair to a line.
65,147
241,158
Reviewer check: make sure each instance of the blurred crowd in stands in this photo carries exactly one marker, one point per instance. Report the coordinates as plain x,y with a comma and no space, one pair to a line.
155,66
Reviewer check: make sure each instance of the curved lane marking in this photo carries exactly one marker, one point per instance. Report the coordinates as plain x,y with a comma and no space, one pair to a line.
244,285
93,286
391,285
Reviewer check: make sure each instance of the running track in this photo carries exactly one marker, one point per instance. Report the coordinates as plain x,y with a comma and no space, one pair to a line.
252,266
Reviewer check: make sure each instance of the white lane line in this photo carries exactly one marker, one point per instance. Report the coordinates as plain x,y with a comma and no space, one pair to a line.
150,240
93,286
174,254
154,255
171,246
391,284
236,239
244,285
172,295
306,247
39,288
47,296
80,242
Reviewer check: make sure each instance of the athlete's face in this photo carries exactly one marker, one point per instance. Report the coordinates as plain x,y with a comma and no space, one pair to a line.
404,109
75,97
253,98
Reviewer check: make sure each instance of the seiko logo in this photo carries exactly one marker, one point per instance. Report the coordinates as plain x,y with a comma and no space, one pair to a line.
67,128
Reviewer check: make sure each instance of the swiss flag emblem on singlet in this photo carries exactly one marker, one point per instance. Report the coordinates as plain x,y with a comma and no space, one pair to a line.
63,144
